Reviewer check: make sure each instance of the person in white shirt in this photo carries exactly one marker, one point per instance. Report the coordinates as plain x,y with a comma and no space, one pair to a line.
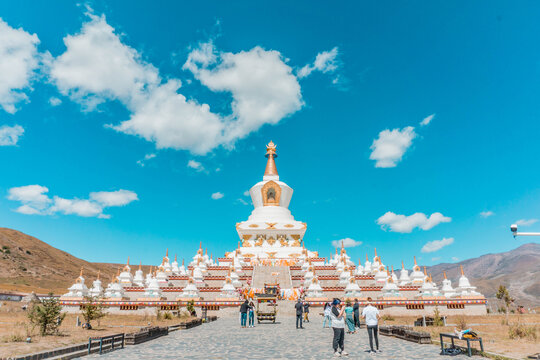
371,314
338,325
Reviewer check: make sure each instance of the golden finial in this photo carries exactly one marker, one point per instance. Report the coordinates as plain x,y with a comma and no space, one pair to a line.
444,273
392,269
415,261
425,272
270,164
182,262
82,268
200,245
140,265
402,265
176,257
461,267
367,257
98,273
167,252
127,261
375,252
206,252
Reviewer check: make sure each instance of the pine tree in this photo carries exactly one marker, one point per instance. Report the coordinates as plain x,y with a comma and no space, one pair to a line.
93,310
47,315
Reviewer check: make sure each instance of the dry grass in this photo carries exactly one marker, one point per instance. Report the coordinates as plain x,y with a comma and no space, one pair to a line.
14,330
496,337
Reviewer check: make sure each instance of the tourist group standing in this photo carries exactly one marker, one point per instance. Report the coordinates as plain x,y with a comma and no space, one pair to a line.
340,315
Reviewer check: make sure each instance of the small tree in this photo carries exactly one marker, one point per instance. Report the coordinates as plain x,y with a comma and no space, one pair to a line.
47,315
93,310
504,295
437,319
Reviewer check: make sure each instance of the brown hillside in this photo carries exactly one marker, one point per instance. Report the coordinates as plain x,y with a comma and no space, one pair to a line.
28,264
518,270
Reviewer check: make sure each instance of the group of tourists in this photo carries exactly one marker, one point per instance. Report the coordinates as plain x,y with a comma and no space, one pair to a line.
247,314
302,309
339,314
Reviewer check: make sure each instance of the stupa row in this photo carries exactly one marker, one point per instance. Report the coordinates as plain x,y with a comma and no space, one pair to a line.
272,243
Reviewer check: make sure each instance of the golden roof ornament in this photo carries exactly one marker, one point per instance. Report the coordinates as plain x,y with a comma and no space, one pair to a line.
82,268
140,265
402,265
461,267
444,273
98,273
271,169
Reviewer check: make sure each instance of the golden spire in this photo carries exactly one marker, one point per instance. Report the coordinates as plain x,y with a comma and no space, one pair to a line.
80,275
140,265
127,261
200,245
367,257
392,269
461,267
98,272
425,271
415,261
176,257
375,252
206,253
444,273
270,164
167,252
182,262
402,265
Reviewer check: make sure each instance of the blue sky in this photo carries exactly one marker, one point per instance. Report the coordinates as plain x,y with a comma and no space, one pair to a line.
341,88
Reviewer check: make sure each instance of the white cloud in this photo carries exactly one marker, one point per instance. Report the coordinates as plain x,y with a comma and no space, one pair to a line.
242,201
147,157
526,222
97,67
217,195
33,198
35,201
427,120
262,86
9,135
347,242
195,165
18,60
436,258
246,193
54,101
486,214
325,61
114,198
455,258
432,246
406,224
389,147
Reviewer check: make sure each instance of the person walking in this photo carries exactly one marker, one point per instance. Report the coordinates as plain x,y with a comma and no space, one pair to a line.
338,326
251,315
327,310
356,312
299,310
243,313
349,319
372,316
306,311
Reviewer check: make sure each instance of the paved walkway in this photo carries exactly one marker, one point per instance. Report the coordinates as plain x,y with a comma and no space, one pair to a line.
224,339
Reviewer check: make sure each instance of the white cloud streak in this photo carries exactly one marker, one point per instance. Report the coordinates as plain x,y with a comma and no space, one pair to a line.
406,224
193,164
35,201
389,147
217,195
435,245
325,62
19,59
526,222
427,120
346,242
9,135
486,214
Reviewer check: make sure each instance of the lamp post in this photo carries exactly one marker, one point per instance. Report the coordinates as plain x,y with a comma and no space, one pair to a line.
515,232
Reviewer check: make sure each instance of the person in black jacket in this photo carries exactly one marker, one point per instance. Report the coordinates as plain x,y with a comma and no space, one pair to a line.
243,313
299,310
356,313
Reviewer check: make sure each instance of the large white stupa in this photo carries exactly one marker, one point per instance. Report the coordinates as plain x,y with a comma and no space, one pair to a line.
271,232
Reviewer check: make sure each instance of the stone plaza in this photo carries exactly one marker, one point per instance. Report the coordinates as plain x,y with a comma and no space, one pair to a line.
224,339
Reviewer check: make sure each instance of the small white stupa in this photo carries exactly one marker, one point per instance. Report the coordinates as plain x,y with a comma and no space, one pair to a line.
417,276
165,264
359,269
344,276
125,278
198,255
234,277
367,266
197,275
314,290
308,277
114,290
381,275
404,276
148,276
447,289
465,288
390,289
182,269
228,291
97,288
352,289
77,290
174,266
153,290
161,277
138,280
190,291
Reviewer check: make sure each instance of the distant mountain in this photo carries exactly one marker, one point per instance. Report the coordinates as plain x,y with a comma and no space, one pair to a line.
28,264
518,270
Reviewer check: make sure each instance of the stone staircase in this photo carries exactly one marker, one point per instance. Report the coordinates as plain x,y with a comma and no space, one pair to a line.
271,275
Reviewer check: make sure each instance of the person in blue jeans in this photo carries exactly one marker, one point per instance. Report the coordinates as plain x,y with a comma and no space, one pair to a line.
251,314
243,313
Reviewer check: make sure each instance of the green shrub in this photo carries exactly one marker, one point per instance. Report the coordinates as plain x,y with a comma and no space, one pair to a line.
387,318
47,315
92,310
520,331
461,322
167,316
437,319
